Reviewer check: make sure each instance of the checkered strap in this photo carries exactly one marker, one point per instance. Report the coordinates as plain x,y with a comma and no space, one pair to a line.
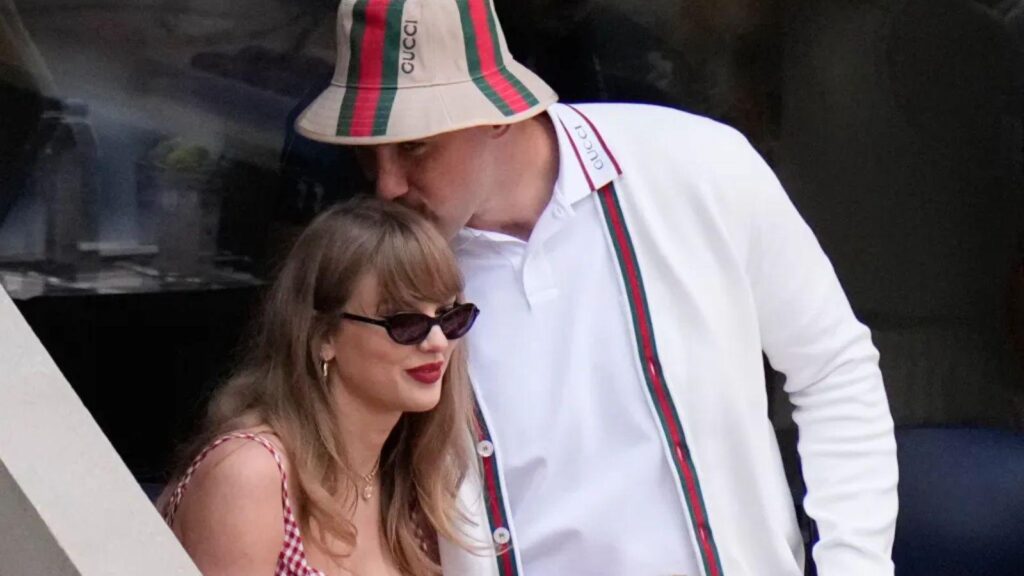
292,560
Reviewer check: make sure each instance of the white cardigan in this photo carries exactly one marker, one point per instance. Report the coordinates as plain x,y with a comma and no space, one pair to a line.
717,266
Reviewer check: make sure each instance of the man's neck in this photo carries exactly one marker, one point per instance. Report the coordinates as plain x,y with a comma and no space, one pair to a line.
525,182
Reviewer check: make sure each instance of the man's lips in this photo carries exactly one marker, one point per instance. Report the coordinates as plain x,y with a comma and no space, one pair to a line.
427,373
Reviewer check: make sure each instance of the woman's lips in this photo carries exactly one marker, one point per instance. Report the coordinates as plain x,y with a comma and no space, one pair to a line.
427,373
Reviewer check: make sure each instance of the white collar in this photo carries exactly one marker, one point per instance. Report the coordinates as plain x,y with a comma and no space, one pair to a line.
585,165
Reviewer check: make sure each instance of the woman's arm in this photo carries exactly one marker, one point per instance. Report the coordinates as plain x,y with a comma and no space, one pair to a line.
230,519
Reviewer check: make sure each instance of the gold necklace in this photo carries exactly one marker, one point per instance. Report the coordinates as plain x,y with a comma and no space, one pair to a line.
368,481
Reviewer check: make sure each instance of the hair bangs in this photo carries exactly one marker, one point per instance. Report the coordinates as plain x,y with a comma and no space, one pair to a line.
413,265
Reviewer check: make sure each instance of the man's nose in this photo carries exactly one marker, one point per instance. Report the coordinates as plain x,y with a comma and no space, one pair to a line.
387,173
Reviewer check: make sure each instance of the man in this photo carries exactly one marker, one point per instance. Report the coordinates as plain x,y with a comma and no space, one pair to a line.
631,264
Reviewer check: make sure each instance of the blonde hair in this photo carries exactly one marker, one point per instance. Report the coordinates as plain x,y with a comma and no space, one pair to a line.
277,385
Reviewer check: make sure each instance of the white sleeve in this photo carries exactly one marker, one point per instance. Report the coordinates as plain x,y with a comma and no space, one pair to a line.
810,334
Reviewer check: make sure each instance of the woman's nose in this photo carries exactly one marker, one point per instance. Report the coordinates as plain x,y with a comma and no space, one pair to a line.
435,341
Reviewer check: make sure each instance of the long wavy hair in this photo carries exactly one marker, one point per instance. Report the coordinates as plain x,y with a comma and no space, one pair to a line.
278,384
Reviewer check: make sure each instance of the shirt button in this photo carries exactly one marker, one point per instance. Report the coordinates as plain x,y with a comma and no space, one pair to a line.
561,212
485,448
502,536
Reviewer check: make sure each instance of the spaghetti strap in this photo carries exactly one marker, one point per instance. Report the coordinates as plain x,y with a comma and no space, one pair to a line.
292,559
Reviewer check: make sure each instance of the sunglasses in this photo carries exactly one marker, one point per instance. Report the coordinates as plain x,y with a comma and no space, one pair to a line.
412,328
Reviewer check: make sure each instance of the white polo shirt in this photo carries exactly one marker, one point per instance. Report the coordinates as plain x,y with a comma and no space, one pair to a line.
554,364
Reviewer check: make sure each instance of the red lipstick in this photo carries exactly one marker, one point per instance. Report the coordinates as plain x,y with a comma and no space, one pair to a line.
427,373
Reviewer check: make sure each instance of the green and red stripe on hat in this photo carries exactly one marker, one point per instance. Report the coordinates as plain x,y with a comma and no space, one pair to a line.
375,37
486,63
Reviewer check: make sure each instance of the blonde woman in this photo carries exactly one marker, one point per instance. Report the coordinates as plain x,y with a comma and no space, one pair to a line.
334,449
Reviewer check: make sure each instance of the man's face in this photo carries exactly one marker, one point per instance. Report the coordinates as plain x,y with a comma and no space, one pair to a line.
446,178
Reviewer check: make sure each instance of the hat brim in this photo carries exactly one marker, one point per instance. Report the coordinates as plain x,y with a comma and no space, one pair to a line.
420,111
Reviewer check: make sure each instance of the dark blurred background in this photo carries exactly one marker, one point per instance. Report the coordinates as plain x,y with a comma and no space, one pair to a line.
150,179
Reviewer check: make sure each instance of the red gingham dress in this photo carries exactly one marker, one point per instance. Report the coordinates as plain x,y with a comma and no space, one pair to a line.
292,560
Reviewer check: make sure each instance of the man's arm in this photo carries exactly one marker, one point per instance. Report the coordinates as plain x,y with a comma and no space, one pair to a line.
810,334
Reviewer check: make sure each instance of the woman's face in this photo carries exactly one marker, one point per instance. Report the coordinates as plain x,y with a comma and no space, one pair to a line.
369,369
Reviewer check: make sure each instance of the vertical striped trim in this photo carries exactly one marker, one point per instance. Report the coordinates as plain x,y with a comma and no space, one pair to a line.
486,63
595,159
600,138
576,151
655,378
494,499
373,68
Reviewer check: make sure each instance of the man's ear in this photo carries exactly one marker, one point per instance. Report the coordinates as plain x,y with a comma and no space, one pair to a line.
499,130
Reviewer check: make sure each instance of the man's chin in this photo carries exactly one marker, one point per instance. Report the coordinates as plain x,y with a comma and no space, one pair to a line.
436,221
447,230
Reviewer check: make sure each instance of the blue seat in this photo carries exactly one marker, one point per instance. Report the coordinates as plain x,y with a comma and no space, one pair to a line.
961,502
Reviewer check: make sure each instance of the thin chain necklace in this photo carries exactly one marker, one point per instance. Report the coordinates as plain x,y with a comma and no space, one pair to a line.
368,481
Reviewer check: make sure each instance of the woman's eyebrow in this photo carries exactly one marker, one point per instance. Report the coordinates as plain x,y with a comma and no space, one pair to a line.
388,308
452,304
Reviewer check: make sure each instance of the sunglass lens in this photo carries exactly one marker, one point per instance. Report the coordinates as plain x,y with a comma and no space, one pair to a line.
408,328
457,321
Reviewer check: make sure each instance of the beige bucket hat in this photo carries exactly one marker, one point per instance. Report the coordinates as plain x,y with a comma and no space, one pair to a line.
408,69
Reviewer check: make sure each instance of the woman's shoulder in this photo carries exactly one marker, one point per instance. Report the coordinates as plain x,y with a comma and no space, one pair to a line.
230,510
245,458
241,463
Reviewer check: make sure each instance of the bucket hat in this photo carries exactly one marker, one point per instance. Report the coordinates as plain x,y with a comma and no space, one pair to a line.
409,69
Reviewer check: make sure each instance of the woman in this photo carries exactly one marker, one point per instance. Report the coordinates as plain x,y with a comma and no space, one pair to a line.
336,447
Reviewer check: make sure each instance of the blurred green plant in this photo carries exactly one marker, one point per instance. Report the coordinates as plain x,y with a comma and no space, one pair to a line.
176,155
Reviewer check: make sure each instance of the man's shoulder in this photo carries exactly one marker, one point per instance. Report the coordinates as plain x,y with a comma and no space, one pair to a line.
639,111
679,160
665,118
652,129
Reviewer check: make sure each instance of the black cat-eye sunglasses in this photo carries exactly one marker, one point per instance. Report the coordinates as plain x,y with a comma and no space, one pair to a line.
412,328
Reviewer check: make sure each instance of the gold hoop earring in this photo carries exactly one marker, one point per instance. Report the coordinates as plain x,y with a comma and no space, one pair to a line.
323,372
